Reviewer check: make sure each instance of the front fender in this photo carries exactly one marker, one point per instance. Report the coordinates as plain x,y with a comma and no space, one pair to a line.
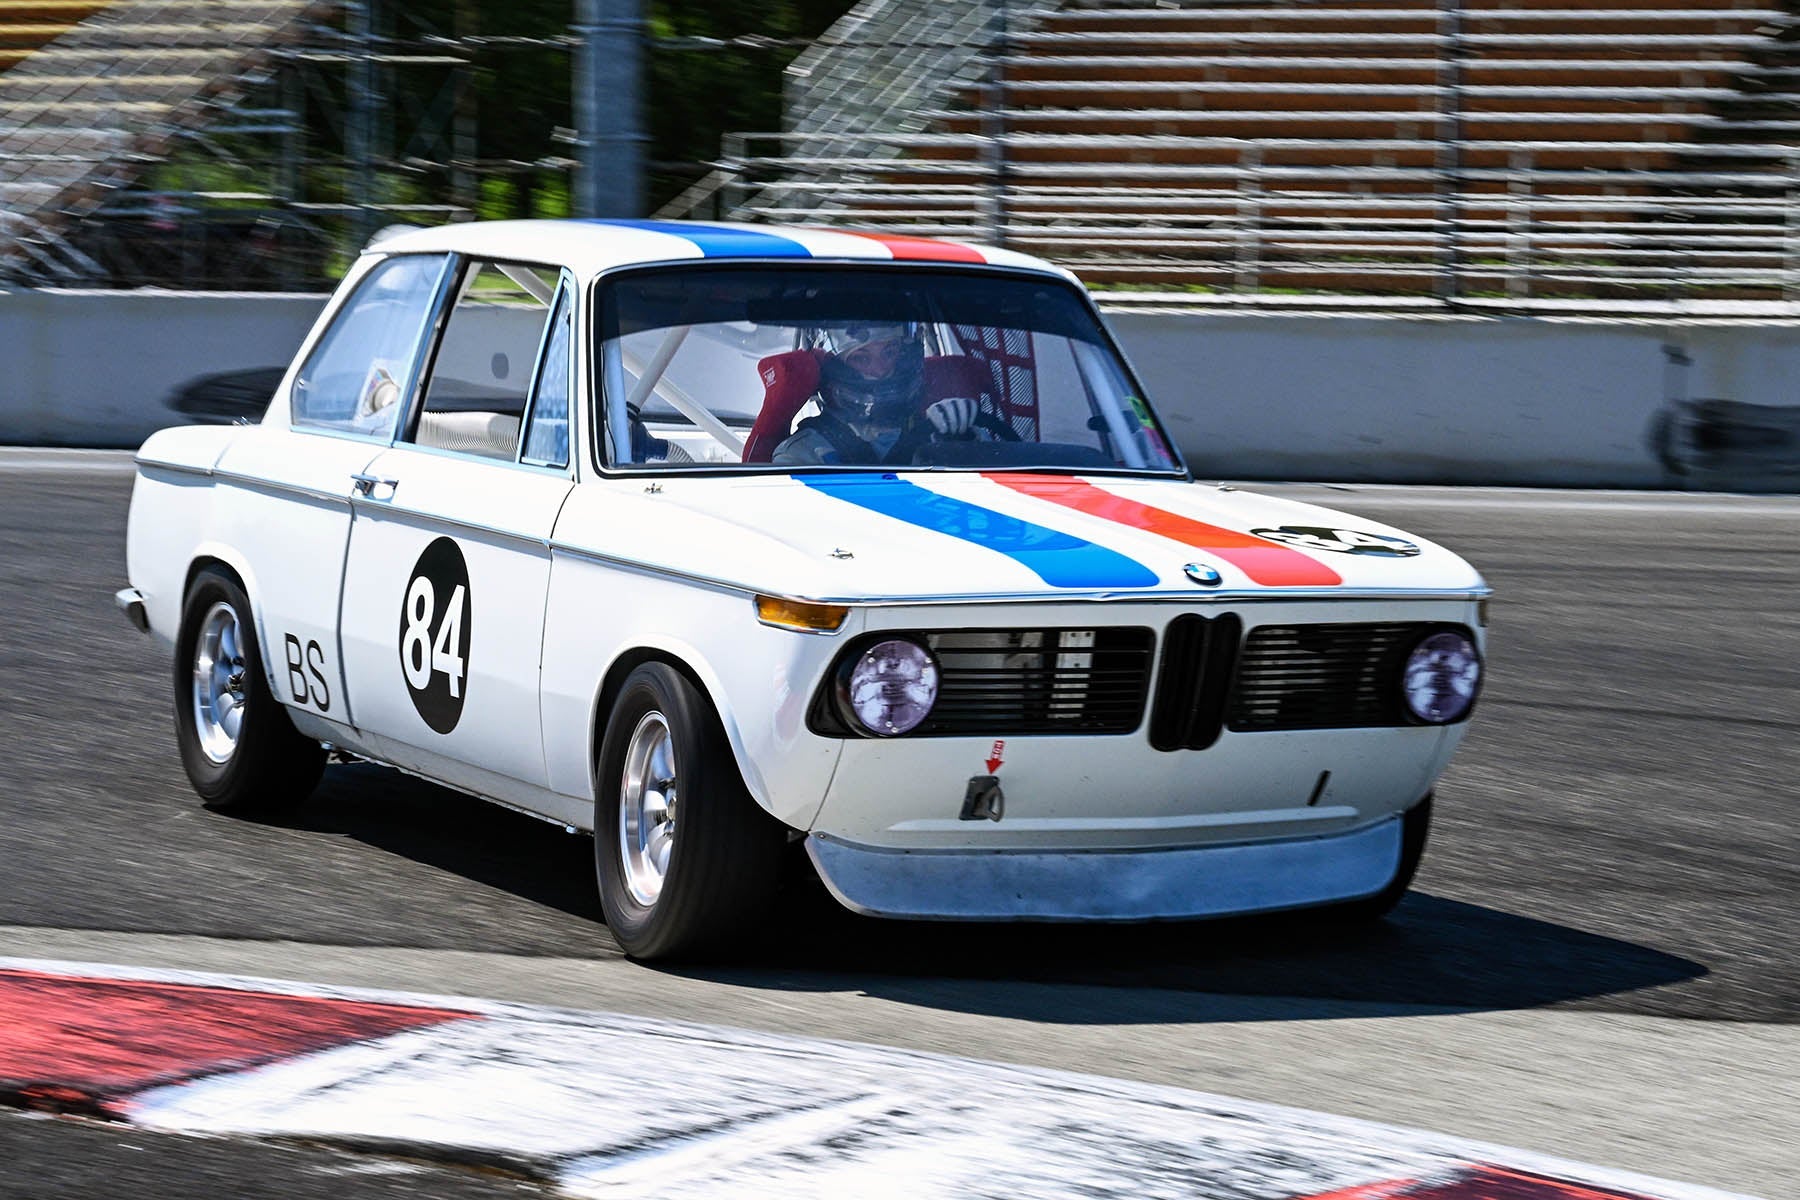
686,655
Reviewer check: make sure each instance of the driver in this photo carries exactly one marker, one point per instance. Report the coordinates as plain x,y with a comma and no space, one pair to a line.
871,394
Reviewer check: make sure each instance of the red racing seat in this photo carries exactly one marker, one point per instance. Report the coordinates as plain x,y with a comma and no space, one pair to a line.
789,381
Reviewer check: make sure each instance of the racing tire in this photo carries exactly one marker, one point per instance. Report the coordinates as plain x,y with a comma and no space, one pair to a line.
687,862
241,752
1415,825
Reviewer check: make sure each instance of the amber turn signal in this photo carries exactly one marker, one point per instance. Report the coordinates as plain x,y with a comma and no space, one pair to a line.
801,614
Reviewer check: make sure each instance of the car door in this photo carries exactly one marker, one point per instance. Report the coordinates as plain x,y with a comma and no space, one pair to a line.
449,558
286,486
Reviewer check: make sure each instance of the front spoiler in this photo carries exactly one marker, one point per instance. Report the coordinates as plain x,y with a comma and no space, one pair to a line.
1113,885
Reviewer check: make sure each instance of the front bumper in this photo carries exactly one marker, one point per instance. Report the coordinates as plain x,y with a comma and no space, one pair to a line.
1121,885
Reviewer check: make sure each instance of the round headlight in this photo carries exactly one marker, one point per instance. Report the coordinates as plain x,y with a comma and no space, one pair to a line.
1441,675
892,687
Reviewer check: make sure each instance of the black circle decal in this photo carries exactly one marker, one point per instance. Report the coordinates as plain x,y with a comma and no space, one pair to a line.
1339,541
435,619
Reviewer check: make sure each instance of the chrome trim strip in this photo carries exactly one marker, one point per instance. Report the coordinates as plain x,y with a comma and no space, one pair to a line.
366,507
1108,885
661,572
1240,596
1163,596
286,489
174,467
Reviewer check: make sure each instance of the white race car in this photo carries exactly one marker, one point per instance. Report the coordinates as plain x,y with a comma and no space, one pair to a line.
714,538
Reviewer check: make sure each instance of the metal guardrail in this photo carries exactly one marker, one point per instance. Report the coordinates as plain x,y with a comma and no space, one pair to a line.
1242,225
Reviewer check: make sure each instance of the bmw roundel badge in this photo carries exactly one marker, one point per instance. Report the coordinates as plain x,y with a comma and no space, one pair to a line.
1203,575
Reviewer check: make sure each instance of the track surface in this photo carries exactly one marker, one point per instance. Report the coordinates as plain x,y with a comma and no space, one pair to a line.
1617,839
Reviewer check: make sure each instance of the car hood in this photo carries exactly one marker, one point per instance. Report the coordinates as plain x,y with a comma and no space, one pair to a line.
947,535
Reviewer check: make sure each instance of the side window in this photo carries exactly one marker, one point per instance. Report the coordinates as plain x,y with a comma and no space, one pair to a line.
481,376
547,432
352,381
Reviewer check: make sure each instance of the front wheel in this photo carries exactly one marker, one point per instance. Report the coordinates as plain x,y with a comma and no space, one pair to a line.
685,858
241,752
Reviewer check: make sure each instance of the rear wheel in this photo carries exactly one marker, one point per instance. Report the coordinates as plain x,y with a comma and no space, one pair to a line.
241,752
685,858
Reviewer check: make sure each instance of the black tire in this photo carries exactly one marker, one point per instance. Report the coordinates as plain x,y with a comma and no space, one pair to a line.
1414,828
272,767
723,863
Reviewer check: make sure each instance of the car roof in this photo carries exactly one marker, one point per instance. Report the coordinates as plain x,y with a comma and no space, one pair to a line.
588,247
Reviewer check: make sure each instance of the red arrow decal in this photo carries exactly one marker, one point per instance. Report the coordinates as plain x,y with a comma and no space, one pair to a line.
1263,561
998,754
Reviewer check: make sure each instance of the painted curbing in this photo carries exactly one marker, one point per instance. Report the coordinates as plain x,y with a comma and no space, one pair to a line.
601,1105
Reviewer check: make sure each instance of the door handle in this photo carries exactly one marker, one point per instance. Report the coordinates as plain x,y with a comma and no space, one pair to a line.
366,484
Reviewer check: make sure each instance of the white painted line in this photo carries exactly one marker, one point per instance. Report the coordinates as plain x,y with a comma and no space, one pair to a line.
35,459
607,1105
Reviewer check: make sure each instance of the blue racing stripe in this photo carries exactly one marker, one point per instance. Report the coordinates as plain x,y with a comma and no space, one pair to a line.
720,241
1059,559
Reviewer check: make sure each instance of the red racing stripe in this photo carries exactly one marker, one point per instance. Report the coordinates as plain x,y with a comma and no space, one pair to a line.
84,1044
918,249
1265,562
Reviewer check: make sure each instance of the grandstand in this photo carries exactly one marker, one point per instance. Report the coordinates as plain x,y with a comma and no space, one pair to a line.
1457,148
1524,150
91,93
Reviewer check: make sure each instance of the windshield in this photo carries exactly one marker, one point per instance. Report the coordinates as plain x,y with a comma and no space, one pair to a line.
854,367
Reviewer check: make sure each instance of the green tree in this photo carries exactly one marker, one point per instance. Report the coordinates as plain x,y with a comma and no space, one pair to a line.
697,95
693,95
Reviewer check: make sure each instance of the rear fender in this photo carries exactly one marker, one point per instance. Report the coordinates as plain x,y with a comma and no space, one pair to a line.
211,553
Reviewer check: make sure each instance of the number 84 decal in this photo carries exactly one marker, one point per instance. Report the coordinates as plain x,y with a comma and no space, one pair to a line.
436,620
1339,541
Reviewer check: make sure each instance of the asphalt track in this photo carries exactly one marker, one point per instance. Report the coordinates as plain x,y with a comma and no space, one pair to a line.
1601,959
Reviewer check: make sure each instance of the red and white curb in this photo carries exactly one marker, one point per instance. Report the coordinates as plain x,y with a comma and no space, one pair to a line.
595,1104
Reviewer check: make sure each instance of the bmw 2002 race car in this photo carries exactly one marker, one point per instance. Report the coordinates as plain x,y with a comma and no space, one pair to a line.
715,538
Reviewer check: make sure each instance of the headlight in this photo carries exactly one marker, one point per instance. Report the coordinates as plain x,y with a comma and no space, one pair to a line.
1441,676
892,687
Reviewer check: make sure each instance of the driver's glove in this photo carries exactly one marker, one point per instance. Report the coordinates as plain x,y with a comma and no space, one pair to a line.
953,416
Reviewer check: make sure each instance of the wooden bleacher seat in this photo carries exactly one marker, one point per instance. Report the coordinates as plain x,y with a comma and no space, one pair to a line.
1146,144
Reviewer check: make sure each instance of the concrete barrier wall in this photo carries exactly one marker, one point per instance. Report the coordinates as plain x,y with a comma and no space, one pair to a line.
1476,400
1266,396
104,368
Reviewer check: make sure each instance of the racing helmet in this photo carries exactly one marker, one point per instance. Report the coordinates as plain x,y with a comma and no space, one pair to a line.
873,371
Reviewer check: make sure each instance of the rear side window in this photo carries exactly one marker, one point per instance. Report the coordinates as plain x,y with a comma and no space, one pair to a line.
481,374
547,432
352,381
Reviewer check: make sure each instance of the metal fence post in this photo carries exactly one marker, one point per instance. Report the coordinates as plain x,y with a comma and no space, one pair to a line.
1790,265
734,193
359,121
610,127
993,124
1449,148
1518,226
1247,275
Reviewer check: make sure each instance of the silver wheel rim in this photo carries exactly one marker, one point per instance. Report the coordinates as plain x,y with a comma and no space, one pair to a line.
219,683
648,792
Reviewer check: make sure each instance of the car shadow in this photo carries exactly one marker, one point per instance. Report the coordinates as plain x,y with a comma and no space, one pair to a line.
1433,952
455,833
